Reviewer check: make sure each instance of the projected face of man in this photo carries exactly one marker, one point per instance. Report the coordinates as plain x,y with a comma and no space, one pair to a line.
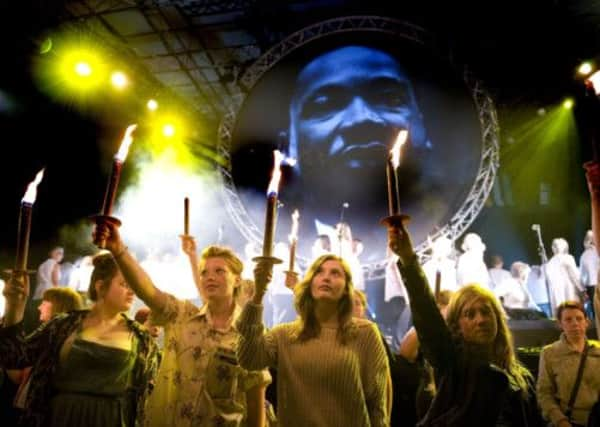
346,112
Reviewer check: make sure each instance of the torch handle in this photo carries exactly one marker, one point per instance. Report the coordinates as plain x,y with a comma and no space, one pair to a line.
270,220
393,189
292,255
23,233
102,231
186,216
111,188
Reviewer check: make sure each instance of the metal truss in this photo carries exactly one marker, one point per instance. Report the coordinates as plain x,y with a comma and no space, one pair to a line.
209,7
488,165
332,26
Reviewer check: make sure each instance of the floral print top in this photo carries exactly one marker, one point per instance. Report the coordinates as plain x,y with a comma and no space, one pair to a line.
200,382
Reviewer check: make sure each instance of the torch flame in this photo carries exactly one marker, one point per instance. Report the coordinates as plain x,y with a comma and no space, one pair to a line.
276,174
125,143
293,236
594,80
395,151
290,161
31,193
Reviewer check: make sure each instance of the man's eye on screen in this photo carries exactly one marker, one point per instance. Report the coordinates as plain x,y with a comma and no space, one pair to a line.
390,98
323,105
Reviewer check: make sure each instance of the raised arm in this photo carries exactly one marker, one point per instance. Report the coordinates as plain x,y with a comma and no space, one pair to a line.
592,174
256,349
409,346
134,274
188,244
55,275
433,334
16,292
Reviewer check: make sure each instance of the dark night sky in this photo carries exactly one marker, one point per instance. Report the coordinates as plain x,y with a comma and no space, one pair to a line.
524,52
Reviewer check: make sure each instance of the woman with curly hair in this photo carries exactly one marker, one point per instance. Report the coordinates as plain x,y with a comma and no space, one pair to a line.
479,380
332,368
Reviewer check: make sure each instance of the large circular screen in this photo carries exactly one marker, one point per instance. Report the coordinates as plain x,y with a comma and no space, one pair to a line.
335,97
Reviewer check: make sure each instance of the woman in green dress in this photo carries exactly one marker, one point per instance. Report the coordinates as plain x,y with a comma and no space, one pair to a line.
90,367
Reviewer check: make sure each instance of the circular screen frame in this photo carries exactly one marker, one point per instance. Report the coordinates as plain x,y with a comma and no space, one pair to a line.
488,163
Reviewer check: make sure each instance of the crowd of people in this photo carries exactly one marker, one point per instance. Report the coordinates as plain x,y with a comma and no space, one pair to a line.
90,364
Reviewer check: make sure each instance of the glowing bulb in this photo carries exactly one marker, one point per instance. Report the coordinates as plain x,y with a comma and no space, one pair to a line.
168,130
585,68
152,105
83,69
568,103
119,79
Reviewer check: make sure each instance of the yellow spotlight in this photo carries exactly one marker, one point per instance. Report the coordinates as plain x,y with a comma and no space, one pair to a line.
568,103
585,68
152,105
168,130
83,69
79,69
119,79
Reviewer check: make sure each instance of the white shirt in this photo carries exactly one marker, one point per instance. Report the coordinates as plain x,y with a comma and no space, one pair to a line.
498,276
447,268
471,269
563,279
394,286
514,295
44,277
536,284
589,264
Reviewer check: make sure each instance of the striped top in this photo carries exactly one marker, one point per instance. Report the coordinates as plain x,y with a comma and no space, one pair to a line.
320,382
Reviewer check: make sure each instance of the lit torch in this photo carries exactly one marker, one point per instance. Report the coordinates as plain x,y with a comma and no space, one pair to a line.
392,173
393,187
115,174
111,188
271,214
24,228
293,239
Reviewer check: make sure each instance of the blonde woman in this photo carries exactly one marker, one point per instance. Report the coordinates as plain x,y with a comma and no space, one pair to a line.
480,382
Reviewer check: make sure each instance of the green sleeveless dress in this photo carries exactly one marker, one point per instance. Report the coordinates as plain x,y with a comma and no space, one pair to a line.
91,387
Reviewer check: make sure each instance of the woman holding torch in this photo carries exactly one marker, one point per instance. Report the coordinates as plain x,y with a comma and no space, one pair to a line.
89,367
200,382
332,368
480,382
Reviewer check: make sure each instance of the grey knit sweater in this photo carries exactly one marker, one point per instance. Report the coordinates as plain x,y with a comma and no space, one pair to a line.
320,382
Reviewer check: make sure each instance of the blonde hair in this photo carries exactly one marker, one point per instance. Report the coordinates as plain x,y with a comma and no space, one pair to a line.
503,354
231,259
63,300
305,303
361,296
